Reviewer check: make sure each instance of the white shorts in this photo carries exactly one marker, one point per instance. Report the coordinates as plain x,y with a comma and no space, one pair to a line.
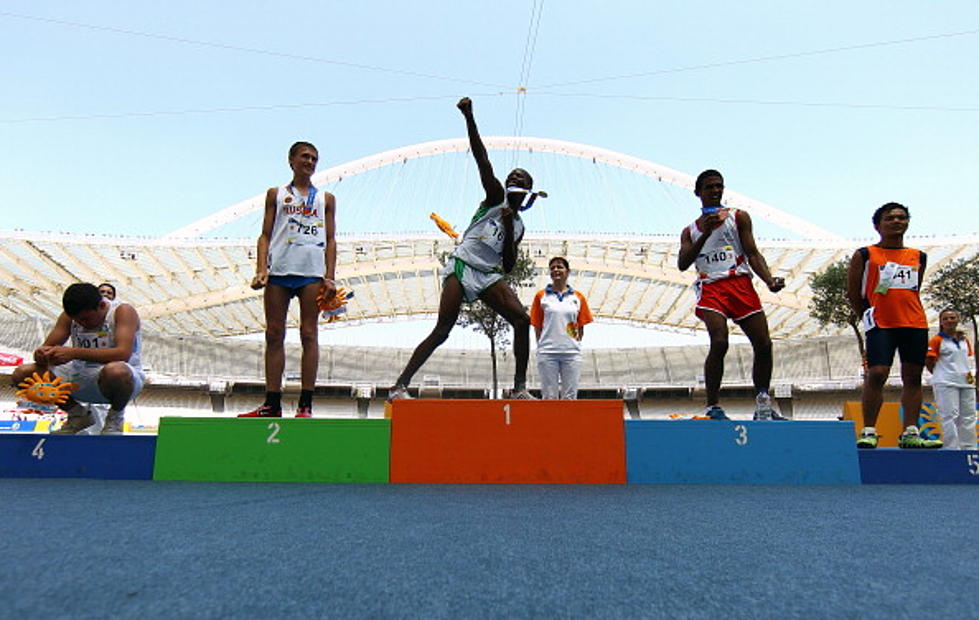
473,281
86,377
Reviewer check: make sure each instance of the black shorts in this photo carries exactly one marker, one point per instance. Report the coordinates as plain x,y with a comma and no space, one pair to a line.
911,342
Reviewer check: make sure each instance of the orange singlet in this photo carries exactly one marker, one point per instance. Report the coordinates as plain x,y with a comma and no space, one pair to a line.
891,285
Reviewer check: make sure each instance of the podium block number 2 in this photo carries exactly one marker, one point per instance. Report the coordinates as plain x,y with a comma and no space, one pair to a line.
274,427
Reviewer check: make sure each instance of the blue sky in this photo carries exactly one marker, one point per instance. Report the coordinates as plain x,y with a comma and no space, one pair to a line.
140,117
141,120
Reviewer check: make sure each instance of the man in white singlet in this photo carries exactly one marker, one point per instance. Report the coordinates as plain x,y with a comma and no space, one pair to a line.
103,359
722,248
296,257
474,269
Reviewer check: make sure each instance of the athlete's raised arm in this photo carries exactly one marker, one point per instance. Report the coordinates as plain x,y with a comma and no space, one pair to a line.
492,186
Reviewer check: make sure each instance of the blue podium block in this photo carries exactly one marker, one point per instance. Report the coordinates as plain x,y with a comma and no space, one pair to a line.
17,426
117,457
736,452
896,466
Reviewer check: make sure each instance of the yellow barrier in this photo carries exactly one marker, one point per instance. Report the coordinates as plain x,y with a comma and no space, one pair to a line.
889,423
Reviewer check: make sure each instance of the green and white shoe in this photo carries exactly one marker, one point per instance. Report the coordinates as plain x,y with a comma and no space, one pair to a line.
911,439
868,438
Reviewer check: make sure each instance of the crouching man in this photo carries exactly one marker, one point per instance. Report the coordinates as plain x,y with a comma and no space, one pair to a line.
103,359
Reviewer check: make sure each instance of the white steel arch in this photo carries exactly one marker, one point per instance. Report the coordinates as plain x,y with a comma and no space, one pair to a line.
757,208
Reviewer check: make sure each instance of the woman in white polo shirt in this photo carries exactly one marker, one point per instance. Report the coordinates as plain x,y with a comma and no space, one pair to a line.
559,315
953,382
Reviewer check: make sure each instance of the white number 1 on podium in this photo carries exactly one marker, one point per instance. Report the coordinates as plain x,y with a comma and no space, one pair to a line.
506,414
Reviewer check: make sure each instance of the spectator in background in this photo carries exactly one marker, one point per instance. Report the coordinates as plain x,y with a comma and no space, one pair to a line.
559,315
953,382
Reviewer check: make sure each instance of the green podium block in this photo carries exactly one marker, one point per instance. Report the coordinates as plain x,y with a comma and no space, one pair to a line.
273,450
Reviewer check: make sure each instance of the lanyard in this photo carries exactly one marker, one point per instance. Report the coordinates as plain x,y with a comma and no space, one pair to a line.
310,198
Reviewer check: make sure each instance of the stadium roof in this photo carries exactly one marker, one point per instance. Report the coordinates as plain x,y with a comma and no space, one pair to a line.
185,284
200,287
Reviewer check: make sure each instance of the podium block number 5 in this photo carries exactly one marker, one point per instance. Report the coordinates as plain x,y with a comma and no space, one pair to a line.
973,463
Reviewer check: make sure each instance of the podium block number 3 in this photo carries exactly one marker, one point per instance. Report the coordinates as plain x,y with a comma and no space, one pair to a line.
742,435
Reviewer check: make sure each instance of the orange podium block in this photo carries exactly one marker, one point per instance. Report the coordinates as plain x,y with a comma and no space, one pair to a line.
889,423
508,441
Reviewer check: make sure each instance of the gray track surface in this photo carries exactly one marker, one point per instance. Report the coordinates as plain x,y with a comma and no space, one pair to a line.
91,549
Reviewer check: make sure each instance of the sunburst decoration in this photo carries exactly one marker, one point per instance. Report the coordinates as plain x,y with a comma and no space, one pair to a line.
45,389
336,305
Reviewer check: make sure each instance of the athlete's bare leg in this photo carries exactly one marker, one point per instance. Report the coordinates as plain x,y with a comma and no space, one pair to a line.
276,306
911,393
717,329
449,304
872,395
116,383
755,327
501,298
309,334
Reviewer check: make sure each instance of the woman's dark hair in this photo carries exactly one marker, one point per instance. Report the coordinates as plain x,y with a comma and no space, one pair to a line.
110,286
562,259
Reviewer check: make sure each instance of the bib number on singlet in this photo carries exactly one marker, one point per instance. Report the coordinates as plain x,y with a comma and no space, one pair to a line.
300,227
718,260
303,229
901,277
492,234
715,257
92,341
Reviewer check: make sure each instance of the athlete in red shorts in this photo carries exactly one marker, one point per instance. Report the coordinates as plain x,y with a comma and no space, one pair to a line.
722,248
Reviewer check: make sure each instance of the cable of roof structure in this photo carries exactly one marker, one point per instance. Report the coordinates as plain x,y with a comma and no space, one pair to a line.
250,50
771,58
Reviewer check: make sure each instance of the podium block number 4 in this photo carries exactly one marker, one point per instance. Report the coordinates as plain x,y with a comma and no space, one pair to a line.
742,435
38,451
274,427
972,460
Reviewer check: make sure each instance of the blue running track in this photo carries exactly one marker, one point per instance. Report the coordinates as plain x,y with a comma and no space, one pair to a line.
123,549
